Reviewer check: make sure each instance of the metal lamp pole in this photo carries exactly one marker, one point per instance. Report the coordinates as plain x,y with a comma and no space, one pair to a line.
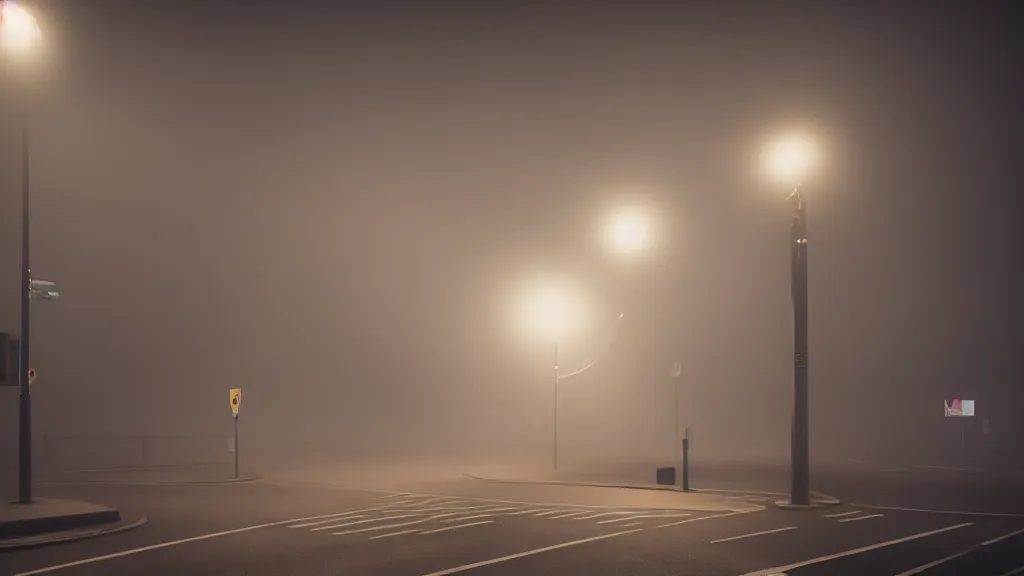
800,448
25,399
555,426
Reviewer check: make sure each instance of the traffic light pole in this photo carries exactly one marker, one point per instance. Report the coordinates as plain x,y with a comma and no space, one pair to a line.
25,398
800,455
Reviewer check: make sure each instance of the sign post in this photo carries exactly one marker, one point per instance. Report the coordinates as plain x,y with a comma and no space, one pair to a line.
236,402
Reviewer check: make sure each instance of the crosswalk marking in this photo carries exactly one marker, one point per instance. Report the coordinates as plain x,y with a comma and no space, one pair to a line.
447,528
367,521
841,514
862,517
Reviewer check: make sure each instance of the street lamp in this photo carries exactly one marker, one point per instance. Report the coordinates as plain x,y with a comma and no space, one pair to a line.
789,160
551,310
627,232
19,34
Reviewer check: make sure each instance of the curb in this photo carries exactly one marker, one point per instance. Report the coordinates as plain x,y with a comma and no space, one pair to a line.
39,540
33,526
571,483
818,500
153,482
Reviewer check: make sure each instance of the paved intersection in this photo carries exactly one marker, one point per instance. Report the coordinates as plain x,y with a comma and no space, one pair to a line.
266,529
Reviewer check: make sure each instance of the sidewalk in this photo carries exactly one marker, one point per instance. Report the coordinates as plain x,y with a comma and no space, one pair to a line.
48,521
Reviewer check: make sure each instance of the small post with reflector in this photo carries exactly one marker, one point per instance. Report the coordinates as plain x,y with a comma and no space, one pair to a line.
236,403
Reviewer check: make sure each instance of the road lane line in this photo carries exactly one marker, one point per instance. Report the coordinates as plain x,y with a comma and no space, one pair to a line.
308,524
605,514
141,549
1001,538
955,512
862,517
630,524
528,553
841,514
395,495
963,552
456,527
460,519
390,534
711,517
1014,572
853,551
521,512
752,534
635,516
548,512
367,521
569,515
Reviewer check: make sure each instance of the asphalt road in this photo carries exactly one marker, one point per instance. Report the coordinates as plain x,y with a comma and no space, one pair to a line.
263,529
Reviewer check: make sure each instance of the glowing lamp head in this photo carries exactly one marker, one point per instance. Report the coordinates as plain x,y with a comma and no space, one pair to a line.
19,31
791,159
628,232
550,310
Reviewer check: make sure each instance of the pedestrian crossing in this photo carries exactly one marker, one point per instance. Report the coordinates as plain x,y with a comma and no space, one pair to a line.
407,515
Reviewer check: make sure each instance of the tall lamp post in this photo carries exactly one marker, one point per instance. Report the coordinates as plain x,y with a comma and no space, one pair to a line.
551,311
19,33
789,160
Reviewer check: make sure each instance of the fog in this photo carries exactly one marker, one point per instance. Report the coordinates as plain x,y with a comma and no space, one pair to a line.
332,208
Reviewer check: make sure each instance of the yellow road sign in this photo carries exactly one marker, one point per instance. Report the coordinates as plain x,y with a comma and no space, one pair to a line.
236,400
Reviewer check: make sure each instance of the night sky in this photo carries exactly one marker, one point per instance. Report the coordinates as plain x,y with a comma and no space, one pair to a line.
328,205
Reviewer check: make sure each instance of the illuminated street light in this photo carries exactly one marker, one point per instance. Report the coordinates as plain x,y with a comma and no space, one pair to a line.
19,34
790,160
628,231
550,310
19,31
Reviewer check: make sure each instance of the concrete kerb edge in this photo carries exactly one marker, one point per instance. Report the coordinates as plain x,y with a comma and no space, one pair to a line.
818,500
227,481
571,483
40,540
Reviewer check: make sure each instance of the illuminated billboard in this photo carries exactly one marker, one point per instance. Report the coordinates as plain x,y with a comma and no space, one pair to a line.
957,407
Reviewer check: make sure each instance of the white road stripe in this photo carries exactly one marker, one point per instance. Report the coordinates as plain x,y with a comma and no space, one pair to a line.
634,517
1015,571
712,517
548,512
318,522
1001,538
841,514
963,552
395,495
367,521
456,527
602,514
752,534
521,512
630,524
394,534
461,518
855,519
529,553
171,543
853,551
569,515
955,512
